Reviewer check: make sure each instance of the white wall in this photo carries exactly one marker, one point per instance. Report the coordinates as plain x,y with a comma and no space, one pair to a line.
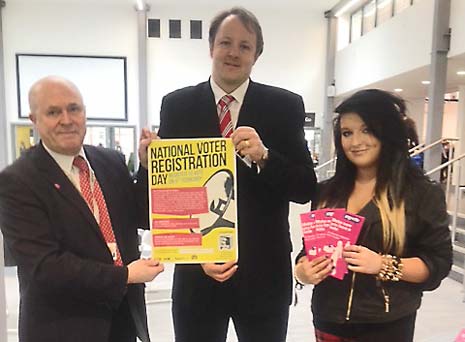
450,127
293,57
457,13
400,44
78,29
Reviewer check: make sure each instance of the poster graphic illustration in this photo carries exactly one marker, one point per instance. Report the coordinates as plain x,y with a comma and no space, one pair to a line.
192,193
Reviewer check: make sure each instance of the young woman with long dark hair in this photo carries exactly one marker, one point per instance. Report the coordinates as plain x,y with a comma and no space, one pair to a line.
404,247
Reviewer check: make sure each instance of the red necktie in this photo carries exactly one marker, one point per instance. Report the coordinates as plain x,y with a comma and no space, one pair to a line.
224,114
95,195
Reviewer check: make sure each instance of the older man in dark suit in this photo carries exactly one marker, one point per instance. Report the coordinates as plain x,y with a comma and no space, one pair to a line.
70,215
276,168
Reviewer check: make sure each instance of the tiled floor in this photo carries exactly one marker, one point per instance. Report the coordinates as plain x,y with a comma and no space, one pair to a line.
440,318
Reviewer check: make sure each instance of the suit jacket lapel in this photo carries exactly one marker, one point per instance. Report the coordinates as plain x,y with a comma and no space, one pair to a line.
250,109
208,115
207,112
55,176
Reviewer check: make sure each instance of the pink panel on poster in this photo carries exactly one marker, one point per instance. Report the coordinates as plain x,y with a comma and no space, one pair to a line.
176,223
163,240
180,201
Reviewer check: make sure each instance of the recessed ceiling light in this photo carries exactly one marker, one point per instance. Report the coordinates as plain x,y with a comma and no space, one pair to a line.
461,72
425,82
398,90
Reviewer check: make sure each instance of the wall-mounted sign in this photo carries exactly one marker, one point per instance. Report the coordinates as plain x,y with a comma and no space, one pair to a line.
309,119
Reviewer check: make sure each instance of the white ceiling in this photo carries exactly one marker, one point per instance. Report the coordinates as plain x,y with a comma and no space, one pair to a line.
411,84
319,5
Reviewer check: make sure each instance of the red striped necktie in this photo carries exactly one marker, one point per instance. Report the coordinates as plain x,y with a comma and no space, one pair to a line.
94,197
224,114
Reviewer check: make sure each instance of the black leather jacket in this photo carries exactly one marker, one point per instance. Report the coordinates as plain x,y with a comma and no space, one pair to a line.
360,298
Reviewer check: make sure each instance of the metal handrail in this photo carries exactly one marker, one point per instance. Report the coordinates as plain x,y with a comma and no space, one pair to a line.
427,147
416,147
319,167
446,164
457,189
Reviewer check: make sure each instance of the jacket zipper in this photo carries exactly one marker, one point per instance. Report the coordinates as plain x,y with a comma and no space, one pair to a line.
386,299
351,296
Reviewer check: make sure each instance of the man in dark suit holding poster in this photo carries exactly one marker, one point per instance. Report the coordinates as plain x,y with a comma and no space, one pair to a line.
256,290
69,214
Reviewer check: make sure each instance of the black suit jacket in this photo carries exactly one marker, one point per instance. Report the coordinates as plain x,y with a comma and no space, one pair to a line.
69,288
263,280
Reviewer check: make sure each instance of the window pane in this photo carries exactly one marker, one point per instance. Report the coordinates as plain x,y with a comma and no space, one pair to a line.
154,28
123,138
175,28
400,5
196,29
369,11
355,26
384,11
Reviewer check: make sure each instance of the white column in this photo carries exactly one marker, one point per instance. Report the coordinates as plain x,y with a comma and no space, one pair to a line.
327,131
142,65
3,162
460,129
3,116
437,89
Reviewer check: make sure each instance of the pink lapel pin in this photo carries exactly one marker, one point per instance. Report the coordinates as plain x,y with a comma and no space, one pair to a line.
57,186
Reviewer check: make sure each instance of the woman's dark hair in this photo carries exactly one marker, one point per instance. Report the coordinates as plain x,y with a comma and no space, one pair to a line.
382,113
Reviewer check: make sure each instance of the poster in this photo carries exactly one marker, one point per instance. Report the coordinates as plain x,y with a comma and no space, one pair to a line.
192,194
24,139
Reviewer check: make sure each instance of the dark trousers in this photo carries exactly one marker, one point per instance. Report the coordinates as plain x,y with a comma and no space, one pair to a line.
211,324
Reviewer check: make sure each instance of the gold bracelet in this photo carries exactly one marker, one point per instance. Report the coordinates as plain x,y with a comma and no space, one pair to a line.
391,268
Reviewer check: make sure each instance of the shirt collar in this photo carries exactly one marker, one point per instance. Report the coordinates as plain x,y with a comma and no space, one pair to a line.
64,161
238,93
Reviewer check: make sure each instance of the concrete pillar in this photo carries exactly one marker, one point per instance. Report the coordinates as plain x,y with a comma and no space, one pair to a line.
330,90
438,77
3,115
3,163
460,133
142,65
